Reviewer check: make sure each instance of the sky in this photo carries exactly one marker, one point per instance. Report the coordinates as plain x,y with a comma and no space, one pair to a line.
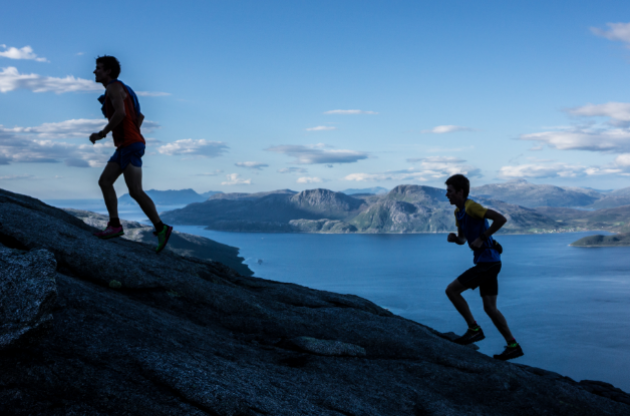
250,96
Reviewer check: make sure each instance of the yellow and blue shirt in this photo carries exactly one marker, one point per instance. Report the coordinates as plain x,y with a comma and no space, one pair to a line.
472,222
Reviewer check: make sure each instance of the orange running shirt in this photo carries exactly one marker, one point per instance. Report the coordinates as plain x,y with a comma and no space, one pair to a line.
127,132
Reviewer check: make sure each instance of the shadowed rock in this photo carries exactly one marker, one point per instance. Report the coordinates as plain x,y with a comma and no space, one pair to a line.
27,294
183,336
325,347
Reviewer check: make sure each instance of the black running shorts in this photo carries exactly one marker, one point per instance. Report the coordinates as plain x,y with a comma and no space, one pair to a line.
483,275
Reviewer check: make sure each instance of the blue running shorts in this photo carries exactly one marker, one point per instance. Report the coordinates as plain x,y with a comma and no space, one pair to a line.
129,154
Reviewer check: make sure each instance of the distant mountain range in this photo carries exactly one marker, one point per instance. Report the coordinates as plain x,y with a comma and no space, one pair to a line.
171,197
371,191
405,209
521,192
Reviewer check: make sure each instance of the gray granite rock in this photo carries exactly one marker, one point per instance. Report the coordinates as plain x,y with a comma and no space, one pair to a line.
183,336
325,347
27,294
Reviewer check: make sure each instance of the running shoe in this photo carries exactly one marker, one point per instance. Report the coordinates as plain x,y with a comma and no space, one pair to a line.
110,232
511,351
163,237
472,335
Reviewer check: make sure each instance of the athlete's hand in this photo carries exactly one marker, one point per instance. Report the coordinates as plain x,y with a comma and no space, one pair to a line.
94,137
478,243
452,238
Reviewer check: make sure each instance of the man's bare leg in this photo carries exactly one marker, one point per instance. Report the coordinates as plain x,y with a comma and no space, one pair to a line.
111,172
490,306
133,179
454,293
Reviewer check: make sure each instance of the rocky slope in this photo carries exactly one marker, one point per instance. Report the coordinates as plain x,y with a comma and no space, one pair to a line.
180,243
95,327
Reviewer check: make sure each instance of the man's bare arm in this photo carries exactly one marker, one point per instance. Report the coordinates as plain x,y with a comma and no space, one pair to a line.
117,95
498,221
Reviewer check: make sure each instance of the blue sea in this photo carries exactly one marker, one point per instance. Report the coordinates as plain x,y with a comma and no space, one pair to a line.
568,307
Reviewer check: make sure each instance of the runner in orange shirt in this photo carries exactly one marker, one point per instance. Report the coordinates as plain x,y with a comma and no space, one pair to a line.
122,109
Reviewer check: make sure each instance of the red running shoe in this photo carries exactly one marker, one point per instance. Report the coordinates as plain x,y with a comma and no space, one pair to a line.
110,232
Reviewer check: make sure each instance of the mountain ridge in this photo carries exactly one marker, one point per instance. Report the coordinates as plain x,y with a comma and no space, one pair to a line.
404,209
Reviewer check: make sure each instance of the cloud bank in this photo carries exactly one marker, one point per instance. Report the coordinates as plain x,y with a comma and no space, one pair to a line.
446,129
252,165
11,79
190,147
307,179
616,32
235,179
426,169
613,136
549,169
318,153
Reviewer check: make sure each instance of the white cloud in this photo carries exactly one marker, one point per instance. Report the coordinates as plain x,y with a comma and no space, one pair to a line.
619,113
319,153
321,128
446,129
152,93
75,128
18,147
11,79
292,170
428,169
213,173
596,140
368,177
252,165
623,160
307,179
616,31
612,136
235,179
550,169
190,147
347,112
21,53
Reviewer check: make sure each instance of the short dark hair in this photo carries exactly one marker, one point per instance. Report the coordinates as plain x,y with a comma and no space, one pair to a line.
459,182
111,63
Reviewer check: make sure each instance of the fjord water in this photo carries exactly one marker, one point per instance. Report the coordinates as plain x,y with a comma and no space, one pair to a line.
568,307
